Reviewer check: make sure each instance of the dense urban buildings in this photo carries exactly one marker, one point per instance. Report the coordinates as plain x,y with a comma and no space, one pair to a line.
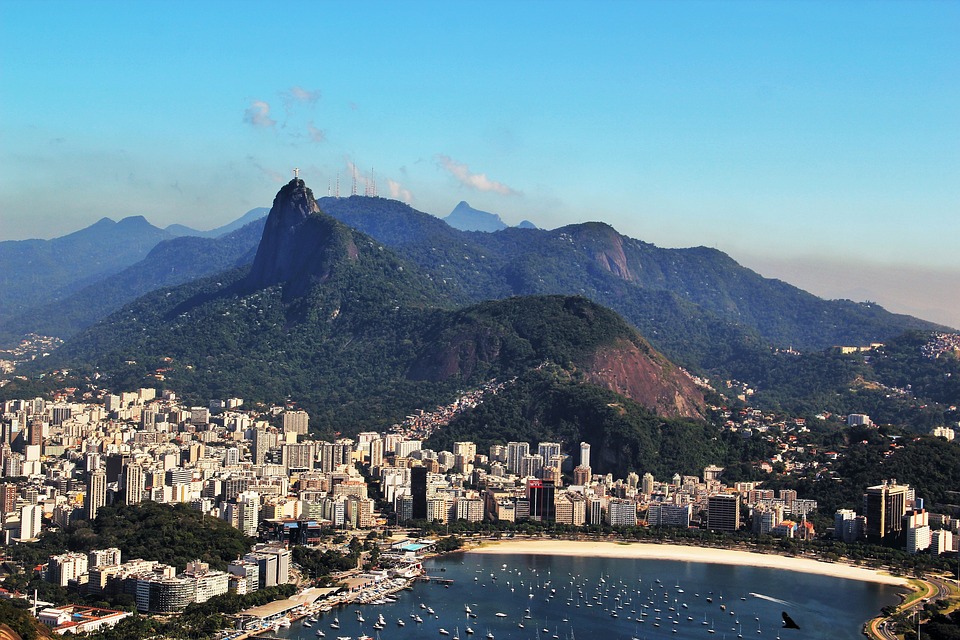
264,474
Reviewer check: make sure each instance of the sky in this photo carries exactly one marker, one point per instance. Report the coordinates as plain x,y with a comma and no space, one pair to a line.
816,142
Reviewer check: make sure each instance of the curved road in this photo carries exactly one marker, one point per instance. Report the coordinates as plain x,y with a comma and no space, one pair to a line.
935,588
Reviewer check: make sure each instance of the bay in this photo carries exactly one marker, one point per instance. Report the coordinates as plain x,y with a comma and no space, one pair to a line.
567,598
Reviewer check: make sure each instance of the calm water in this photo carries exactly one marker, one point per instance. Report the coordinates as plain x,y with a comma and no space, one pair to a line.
552,587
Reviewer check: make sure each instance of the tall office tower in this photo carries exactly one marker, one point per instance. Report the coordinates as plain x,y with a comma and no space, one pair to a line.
515,453
418,491
541,494
96,492
584,454
296,421
884,507
35,432
133,483
723,512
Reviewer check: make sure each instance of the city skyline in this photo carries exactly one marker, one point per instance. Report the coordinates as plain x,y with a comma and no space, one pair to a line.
814,142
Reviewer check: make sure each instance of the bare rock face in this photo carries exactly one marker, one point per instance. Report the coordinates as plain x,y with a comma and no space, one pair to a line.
605,247
300,244
646,377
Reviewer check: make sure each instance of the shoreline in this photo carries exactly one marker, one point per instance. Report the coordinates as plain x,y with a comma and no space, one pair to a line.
686,553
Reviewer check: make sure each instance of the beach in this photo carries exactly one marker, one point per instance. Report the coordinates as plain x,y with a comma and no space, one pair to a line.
686,553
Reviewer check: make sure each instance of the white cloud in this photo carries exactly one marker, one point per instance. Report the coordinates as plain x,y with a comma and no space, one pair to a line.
315,135
478,181
398,192
299,94
258,115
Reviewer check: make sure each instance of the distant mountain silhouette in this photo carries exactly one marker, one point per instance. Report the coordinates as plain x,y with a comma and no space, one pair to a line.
58,286
245,219
466,218
33,272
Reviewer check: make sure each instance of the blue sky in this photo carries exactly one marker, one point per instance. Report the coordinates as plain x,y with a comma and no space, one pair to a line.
803,138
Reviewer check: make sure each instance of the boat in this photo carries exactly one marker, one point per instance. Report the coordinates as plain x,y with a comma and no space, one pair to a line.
283,622
320,633
400,622
469,630
306,623
418,619
334,625
500,614
444,632
489,635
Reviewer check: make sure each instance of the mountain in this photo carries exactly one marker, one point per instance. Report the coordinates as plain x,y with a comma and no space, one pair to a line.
169,263
57,286
466,218
526,224
250,216
693,304
360,337
38,271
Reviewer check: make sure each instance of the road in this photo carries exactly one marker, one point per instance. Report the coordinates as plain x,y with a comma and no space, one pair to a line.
935,588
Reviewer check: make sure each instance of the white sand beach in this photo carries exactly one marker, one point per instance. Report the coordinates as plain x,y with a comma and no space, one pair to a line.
684,553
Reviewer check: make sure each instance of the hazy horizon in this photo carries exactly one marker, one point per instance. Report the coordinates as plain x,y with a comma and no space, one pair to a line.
812,141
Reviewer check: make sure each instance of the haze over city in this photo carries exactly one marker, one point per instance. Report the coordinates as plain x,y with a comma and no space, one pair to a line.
814,142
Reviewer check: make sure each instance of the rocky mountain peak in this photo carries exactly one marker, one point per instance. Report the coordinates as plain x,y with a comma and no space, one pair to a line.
300,244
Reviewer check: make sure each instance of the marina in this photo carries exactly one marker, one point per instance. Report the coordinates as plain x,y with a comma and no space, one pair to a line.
518,597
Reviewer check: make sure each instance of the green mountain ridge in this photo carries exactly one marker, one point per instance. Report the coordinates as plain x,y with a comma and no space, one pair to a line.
329,317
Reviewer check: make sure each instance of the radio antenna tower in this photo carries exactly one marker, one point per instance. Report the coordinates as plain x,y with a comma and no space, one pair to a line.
373,180
338,185
353,190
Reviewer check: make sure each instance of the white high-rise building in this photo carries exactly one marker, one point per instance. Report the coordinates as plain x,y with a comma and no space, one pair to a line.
133,483
96,492
249,516
584,454
917,525
30,521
